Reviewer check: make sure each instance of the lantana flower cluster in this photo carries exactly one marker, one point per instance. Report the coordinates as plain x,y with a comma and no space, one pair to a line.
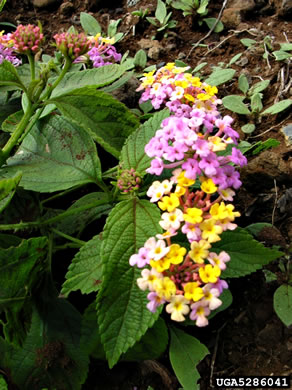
192,142
103,52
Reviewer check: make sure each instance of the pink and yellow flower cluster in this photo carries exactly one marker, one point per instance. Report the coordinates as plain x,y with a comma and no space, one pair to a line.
193,144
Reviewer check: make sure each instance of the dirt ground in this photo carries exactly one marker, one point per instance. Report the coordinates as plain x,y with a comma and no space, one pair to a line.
248,338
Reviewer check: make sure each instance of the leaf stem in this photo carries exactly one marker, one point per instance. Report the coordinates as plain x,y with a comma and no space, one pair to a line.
32,66
57,218
70,238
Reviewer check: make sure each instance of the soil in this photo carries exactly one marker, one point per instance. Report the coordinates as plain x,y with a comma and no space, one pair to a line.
248,338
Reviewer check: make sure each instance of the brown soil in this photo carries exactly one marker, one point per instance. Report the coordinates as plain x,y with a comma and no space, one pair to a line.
248,338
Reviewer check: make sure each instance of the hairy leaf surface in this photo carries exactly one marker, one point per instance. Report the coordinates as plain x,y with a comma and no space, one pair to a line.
121,307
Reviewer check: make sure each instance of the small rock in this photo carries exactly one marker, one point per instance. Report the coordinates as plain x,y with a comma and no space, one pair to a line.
287,131
181,55
154,52
246,5
147,43
66,8
42,3
231,17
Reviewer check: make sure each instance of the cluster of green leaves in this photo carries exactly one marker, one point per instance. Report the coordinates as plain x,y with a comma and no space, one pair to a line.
267,44
162,20
45,340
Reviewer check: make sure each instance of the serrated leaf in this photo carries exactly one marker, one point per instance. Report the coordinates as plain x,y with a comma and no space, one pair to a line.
152,344
220,76
247,255
185,353
235,103
89,24
121,306
243,84
108,121
278,107
90,78
9,75
283,303
17,267
7,190
51,353
258,87
133,154
248,128
85,272
77,222
248,42
55,155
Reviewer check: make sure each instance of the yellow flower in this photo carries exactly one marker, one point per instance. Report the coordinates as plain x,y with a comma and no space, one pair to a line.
210,90
209,274
219,212
193,215
176,254
192,291
165,288
160,265
169,203
189,97
208,186
184,181
199,251
210,231
179,191
203,96
178,307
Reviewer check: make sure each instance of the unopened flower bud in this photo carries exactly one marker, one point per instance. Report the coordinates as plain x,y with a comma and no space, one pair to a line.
27,39
128,180
72,45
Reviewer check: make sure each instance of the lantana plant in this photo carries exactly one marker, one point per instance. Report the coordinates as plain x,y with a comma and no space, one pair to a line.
152,223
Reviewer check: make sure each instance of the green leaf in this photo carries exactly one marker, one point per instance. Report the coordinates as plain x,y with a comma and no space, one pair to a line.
247,255
283,303
278,107
8,107
160,12
210,23
52,353
7,190
12,121
281,55
256,228
17,270
226,298
243,84
248,128
54,156
258,87
90,78
84,273
89,24
7,240
121,306
108,121
267,144
220,76
185,353
248,42
133,154
118,83
152,344
3,384
199,67
2,3
235,103
140,58
77,222
256,102
9,75
234,59
286,46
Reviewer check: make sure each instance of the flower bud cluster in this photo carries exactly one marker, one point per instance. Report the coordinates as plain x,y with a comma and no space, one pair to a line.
72,45
193,142
103,52
129,181
26,39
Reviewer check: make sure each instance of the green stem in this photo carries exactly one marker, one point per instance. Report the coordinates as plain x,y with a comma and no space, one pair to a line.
57,218
67,66
32,66
60,194
70,238
20,128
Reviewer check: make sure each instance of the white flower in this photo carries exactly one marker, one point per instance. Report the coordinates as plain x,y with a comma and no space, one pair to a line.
178,307
171,220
